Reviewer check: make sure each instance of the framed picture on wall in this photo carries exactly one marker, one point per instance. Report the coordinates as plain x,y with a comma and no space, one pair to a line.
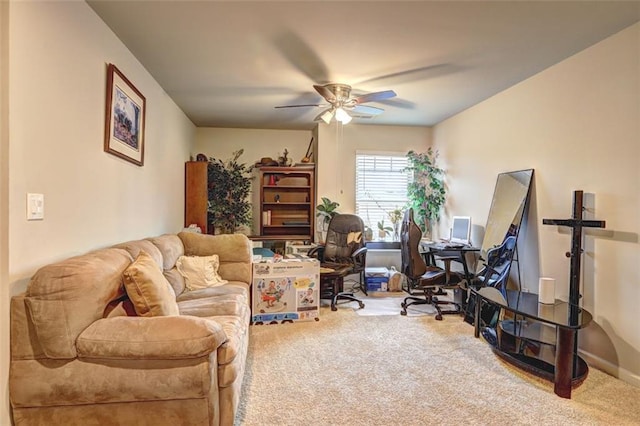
125,118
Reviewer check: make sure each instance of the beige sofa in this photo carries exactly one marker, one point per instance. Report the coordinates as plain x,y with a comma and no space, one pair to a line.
79,357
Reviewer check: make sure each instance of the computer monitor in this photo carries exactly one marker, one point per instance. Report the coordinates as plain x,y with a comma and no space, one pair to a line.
460,229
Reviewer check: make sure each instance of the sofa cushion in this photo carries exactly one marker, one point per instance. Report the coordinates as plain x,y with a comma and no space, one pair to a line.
234,251
200,271
176,280
64,298
77,383
135,247
231,354
148,289
174,337
225,304
236,329
171,248
232,287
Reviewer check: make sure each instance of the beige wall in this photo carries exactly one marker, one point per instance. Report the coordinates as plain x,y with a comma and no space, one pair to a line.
334,150
337,149
577,125
220,143
257,143
58,52
4,211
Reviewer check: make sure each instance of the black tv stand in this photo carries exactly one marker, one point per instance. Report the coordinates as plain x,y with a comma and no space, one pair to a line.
535,337
540,338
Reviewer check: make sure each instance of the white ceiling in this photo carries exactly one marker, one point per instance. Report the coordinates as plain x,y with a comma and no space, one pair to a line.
228,64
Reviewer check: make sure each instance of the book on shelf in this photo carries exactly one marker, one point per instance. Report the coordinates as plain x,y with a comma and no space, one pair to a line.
266,217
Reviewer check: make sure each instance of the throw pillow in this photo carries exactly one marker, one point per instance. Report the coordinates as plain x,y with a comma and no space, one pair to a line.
200,271
148,289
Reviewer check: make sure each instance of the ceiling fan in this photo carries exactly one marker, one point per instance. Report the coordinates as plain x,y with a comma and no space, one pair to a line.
342,105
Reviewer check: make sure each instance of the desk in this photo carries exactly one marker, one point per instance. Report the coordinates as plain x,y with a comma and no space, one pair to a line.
542,341
456,253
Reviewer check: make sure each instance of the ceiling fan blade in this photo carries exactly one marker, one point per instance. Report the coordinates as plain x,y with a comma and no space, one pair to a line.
375,96
302,56
365,109
298,106
415,74
325,93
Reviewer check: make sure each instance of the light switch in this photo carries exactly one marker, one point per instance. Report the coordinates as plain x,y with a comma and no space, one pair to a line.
35,206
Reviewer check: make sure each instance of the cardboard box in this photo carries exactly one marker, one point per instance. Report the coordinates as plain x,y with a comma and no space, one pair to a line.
377,283
377,279
285,291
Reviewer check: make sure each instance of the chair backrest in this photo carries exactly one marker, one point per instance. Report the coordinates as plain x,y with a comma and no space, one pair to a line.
345,235
498,265
413,264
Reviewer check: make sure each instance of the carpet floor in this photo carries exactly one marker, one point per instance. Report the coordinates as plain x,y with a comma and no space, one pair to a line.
349,369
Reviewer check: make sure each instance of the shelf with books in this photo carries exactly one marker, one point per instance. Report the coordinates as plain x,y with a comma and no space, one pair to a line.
287,201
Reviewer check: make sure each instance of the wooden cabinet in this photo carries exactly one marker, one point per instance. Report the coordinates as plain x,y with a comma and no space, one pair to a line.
287,202
196,199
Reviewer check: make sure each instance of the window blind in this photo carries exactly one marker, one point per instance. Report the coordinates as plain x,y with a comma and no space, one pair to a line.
381,186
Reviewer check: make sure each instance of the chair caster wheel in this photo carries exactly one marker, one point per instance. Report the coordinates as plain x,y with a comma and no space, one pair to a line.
438,317
361,305
403,313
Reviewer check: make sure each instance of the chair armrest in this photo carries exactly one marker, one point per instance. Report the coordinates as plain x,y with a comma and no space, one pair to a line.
317,252
359,258
171,337
361,252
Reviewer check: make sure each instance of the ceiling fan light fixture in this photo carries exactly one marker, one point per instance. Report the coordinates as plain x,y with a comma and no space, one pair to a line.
327,116
342,116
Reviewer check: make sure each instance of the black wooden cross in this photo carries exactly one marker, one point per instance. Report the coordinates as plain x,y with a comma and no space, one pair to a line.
576,223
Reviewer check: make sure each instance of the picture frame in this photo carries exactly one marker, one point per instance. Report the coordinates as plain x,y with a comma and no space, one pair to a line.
125,118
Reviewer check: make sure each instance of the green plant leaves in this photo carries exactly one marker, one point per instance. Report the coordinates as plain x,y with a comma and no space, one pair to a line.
228,192
427,192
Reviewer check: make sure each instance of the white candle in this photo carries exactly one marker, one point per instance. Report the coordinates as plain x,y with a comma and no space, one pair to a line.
547,290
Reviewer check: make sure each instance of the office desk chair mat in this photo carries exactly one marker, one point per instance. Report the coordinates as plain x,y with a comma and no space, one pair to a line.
377,305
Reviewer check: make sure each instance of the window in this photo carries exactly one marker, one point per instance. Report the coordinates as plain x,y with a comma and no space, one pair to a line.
381,186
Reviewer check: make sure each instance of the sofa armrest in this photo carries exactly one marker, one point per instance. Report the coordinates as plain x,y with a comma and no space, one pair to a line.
170,337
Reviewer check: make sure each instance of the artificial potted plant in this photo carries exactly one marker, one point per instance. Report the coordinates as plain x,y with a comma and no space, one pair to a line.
228,192
426,192
325,212
395,216
383,231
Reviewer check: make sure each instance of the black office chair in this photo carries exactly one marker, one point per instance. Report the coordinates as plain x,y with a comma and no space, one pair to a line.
495,271
420,276
344,253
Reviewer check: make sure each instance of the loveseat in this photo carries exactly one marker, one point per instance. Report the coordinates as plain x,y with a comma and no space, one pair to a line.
82,354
